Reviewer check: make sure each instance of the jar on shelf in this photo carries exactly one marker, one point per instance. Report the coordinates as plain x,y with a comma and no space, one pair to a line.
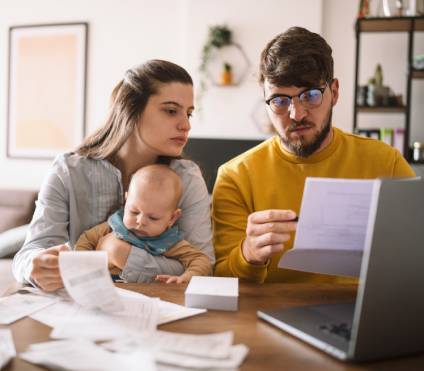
418,152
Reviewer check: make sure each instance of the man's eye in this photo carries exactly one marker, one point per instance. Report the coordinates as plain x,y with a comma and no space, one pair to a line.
281,101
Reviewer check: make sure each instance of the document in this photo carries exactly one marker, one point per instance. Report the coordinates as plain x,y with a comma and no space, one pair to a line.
7,347
87,279
138,315
83,355
19,305
217,346
332,227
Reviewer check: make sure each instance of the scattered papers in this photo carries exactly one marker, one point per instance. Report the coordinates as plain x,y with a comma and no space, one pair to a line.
7,347
211,345
87,279
332,227
220,293
186,350
85,356
17,306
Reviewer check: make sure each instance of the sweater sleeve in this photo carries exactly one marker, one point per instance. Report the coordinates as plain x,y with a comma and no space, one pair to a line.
194,261
229,216
90,238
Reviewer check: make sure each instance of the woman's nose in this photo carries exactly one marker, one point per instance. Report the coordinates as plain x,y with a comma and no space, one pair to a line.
184,124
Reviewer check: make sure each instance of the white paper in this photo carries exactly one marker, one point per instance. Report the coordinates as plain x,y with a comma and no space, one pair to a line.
237,355
220,286
85,356
216,346
332,226
7,347
138,315
17,306
87,279
168,312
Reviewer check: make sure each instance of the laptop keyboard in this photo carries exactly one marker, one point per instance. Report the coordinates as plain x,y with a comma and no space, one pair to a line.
339,329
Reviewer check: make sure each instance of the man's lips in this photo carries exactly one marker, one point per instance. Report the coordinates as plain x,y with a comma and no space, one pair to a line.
299,128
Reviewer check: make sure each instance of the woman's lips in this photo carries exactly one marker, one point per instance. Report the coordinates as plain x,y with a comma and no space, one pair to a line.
179,140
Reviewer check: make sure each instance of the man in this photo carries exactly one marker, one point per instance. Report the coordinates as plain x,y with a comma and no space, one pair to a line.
257,195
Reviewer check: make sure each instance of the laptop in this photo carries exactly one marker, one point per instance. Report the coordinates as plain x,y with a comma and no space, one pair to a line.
387,318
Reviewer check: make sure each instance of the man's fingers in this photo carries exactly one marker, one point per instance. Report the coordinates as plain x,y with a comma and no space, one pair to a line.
272,227
272,215
265,252
270,239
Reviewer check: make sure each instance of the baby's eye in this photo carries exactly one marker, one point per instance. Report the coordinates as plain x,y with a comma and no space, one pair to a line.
154,219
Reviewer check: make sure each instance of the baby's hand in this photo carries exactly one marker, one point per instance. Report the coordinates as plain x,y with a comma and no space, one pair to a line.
166,278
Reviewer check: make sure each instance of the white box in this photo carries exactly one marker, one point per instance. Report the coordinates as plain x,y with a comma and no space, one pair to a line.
220,293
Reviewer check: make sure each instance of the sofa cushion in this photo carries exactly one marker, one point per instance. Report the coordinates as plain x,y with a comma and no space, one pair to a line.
12,240
16,207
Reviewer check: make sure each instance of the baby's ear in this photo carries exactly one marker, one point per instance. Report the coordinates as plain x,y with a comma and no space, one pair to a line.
175,216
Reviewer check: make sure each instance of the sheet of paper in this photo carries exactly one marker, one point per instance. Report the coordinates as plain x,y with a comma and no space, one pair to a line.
138,315
237,355
85,356
332,226
210,345
17,306
87,279
7,347
168,312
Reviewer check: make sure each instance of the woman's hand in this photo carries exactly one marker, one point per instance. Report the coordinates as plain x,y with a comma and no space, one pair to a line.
266,233
45,268
117,250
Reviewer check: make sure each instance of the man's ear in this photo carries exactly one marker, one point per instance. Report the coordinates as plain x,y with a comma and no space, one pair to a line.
334,88
175,216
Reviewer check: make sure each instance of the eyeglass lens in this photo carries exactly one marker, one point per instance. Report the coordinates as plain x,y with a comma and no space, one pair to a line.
308,99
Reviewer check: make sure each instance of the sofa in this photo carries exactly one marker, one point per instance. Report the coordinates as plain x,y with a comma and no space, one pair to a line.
16,209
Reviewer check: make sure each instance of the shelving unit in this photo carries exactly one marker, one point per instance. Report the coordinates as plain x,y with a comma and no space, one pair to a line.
410,25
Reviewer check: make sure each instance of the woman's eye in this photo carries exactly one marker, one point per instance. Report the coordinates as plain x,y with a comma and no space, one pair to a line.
190,114
171,111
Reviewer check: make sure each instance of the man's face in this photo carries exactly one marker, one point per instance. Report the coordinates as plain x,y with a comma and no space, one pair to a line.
303,131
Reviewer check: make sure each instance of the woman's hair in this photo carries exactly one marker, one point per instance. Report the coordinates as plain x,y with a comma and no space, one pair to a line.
129,99
296,57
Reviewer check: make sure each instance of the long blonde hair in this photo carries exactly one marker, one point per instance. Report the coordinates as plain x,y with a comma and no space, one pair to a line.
129,99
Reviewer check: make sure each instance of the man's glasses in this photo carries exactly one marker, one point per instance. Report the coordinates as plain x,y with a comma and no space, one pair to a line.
310,98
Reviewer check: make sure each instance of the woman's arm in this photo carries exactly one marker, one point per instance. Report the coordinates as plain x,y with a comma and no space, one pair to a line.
48,228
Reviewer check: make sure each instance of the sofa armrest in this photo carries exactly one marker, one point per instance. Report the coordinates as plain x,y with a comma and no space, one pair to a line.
12,240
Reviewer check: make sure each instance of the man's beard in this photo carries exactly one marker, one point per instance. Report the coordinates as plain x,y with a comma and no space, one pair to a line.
302,149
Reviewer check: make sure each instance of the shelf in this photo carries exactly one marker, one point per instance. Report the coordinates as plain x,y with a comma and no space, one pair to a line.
417,74
401,109
391,24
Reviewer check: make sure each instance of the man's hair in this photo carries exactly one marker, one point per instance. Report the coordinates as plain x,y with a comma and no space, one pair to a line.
297,57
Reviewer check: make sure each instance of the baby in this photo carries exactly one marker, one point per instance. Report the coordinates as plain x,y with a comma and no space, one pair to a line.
147,221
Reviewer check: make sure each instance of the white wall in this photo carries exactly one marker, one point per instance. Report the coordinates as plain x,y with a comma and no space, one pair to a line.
125,33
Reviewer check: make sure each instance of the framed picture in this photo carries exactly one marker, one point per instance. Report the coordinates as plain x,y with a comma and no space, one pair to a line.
46,97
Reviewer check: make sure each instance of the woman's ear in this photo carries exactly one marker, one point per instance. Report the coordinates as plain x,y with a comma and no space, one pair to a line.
126,195
175,216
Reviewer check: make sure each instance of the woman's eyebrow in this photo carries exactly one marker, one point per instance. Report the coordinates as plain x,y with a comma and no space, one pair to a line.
175,104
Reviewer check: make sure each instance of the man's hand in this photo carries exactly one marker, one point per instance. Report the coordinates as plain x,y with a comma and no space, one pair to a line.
117,250
266,233
45,268
166,278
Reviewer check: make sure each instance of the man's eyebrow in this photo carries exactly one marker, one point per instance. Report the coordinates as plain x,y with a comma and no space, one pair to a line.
175,104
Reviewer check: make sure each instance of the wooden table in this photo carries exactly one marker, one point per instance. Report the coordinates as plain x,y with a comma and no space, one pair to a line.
270,348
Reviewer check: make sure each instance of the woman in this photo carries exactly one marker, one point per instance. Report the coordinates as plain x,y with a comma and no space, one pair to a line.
148,123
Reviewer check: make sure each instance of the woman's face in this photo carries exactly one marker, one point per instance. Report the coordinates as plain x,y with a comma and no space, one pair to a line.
163,127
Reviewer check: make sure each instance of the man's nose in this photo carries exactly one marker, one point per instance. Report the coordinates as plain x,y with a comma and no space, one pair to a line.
296,110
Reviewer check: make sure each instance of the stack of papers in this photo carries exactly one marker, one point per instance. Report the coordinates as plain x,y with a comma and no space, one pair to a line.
219,293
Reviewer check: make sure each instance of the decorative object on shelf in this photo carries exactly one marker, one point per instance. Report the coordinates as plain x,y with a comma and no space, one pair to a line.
227,74
364,9
418,152
46,97
223,61
375,94
418,62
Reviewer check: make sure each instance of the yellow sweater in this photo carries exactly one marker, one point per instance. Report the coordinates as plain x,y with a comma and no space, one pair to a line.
269,177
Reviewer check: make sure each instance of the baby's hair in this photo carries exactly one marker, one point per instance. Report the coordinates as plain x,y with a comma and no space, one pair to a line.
161,176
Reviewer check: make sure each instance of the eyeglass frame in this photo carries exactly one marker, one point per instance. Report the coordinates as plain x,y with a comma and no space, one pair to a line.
321,89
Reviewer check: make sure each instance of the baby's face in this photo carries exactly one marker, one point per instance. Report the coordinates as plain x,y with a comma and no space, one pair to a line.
148,213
